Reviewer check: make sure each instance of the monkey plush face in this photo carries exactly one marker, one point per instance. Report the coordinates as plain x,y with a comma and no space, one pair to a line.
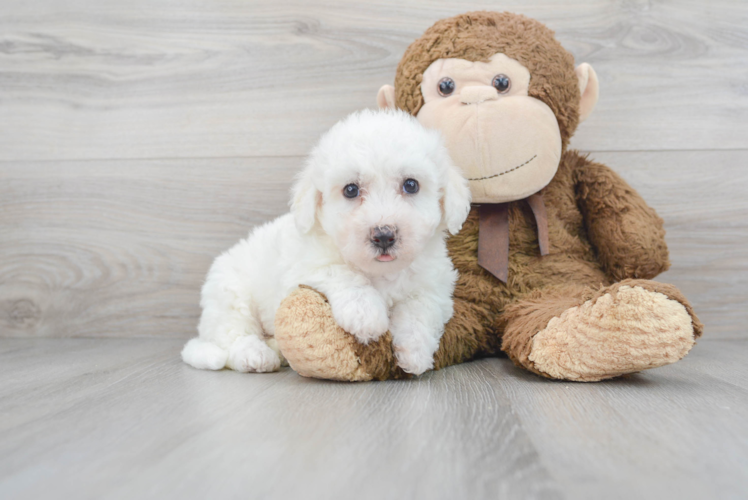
507,143
504,94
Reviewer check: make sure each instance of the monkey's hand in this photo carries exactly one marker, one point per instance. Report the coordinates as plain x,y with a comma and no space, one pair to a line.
626,232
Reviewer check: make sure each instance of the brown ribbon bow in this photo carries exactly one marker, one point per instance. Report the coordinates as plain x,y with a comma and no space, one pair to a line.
493,234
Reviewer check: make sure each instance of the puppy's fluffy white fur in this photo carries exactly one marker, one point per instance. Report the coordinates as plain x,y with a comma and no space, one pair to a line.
326,242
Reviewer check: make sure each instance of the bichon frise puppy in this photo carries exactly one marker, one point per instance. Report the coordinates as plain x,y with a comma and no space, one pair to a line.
367,228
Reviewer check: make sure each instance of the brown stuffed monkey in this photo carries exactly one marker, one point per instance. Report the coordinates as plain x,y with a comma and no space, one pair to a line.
556,257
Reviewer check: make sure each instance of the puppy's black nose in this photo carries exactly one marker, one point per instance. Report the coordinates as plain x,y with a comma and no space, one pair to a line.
383,237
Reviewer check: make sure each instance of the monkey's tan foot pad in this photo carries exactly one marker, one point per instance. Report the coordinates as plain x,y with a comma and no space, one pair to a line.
626,330
312,343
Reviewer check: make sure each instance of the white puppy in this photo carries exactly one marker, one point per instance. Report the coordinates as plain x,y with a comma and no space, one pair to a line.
367,228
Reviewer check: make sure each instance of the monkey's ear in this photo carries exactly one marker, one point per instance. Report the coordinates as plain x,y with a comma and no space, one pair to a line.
589,88
304,200
386,97
456,200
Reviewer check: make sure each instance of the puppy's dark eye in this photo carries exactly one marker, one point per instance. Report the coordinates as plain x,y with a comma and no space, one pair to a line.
350,191
502,83
446,86
410,186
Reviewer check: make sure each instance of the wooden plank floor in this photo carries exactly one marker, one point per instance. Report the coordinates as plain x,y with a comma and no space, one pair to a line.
124,418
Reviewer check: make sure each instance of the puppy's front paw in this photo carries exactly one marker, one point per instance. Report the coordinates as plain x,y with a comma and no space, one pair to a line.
414,359
415,337
361,312
252,354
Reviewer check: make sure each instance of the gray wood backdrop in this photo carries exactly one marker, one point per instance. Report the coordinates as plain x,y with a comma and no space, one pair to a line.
139,138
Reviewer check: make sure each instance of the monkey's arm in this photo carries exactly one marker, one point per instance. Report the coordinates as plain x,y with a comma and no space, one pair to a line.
626,232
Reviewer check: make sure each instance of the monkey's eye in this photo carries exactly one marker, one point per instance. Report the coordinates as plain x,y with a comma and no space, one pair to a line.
446,86
410,186
350,191
502,83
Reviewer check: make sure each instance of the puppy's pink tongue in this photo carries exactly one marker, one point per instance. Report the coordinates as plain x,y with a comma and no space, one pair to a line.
385,258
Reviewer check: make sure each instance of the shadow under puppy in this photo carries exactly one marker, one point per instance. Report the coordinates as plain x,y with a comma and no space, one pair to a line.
367,229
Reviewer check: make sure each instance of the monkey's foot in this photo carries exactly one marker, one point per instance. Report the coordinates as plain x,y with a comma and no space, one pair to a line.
625,330
315,346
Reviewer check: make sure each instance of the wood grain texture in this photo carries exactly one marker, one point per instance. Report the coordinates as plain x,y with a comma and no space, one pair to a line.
167,79
676,432
124,418
120,248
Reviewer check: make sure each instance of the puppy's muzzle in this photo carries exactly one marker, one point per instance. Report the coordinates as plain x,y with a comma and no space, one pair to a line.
384,237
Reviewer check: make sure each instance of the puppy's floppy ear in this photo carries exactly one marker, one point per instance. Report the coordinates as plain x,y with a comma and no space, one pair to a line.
456,199
304,200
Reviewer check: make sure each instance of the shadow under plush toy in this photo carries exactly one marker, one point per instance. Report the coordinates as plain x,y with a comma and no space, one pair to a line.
556,257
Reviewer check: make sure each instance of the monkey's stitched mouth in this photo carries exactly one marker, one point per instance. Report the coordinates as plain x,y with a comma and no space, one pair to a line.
505,172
